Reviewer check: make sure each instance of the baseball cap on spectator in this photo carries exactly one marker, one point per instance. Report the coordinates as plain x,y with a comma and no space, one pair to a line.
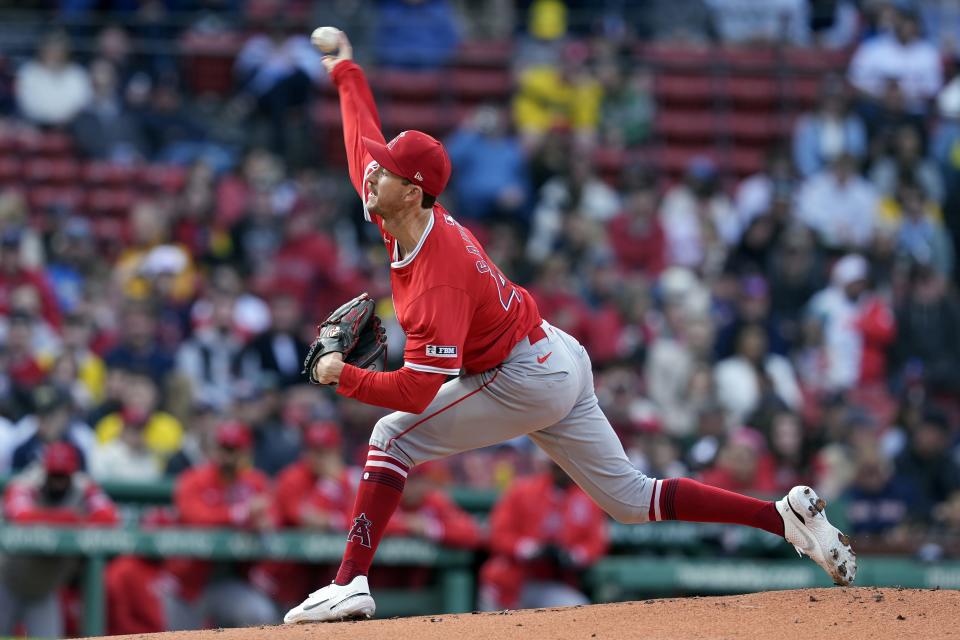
233,435
322,435
60,458
164,259
849,269
416,156
48,398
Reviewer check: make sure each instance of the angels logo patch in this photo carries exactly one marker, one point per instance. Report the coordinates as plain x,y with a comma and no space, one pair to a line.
436,351
360,531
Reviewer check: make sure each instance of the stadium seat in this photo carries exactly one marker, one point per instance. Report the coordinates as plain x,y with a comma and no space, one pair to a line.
43,198
168,178
687,126
110,201
677,57
425,86
748,59
51,143
98,173
816,61
51,170
684,90
435,120
207,61
471,85
10,169
753,93
484,53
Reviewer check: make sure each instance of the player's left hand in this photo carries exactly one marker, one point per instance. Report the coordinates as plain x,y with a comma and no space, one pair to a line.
327,369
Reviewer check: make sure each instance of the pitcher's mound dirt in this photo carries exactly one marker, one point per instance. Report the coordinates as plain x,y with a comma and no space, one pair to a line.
864,613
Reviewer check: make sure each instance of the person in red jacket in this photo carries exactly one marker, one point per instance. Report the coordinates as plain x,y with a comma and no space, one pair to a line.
54,492
316,493
226,492
544,532
138,589
636,235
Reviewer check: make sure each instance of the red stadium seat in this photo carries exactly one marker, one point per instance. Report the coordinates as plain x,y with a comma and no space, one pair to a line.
677,57
816,61
42,198
207,61
748,59
485,53
687,126
51,170
684,90
481,85
168,178
409,85
111,201
50,143
434,120
10,169
98,173
753,93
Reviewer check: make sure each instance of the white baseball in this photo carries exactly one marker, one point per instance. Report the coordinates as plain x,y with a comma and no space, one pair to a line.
326,39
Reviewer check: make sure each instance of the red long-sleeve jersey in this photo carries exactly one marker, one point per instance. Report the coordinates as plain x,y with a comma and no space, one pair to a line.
135,588
532,515
205,498
84,504
447,524
299,490
457,309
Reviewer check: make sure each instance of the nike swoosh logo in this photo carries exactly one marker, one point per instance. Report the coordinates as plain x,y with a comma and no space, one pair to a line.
544,358
314,606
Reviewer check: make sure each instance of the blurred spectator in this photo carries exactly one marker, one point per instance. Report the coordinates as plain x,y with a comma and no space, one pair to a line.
743,465
23,366
135,442
833,130
628,107
904,58
795,275
491,179
207,358
907,164
544,531
197,442
921,237
941,22
758,23
636,234
52,419
139,347
688,22
927,346
50,89
14,274
225,492
54,493
769,192
699,218
564,97
839,311
74,262
140,590
876,503
579,198
754,378
275,71
835,23
279,351
752,307
14,220
417,34
315,493
839,204
791,449
105,129
926,467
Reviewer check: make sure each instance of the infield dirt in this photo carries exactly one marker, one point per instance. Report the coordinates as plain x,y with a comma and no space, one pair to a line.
863,613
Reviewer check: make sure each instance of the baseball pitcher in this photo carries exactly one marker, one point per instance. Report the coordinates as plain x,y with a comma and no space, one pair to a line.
516,374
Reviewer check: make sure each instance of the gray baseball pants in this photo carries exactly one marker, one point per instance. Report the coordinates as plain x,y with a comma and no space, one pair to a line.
543,390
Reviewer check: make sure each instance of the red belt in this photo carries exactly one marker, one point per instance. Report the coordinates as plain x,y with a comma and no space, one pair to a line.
536,334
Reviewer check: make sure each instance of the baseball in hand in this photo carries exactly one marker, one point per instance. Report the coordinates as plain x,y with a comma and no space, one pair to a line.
326,39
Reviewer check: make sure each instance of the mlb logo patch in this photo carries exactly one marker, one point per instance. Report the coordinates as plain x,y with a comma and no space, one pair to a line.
436,351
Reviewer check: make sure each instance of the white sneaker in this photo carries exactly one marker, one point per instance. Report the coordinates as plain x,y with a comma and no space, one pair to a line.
806,527
334,602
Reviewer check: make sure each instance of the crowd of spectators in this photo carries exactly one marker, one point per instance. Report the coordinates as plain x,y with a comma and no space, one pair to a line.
798,325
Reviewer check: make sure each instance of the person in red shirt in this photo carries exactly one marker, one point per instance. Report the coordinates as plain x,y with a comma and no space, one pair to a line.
636,235
316,493
516,374
544,532
226,492
13,275
54,492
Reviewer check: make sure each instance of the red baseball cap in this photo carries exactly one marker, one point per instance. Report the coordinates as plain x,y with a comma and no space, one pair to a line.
322,435
60,458
419,158
233,435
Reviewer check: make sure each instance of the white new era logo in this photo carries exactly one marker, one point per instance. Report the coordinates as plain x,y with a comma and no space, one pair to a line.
418,176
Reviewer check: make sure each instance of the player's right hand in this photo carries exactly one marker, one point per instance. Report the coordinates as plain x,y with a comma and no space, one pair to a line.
344,52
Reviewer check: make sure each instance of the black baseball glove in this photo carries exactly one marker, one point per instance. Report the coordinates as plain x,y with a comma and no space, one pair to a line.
353,330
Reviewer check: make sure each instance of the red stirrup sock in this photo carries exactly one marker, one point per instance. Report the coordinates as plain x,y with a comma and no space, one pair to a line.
692,501
378,496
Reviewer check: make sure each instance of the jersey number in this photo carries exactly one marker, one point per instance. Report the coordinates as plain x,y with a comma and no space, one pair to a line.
507,293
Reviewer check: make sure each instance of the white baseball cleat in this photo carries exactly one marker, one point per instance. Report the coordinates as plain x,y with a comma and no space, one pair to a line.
334,602
806,527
